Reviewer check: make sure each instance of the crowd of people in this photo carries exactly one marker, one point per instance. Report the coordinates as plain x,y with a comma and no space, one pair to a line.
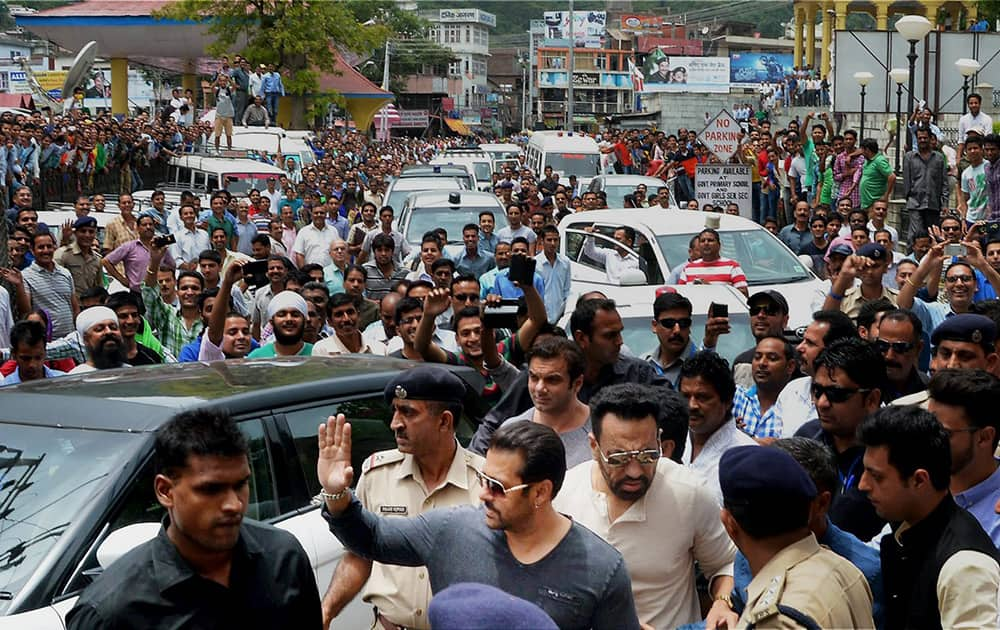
853,461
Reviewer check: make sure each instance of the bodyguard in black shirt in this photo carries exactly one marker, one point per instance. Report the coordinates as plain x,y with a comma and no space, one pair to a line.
208,567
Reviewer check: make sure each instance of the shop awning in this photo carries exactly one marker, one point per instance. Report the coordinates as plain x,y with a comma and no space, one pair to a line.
457,126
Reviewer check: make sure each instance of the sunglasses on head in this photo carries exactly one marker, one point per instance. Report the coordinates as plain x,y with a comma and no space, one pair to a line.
495,487
899,347
670,322
834,393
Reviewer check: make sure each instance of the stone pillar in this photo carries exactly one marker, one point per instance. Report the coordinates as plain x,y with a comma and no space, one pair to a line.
827,39
931,10
841,9
800,18
811,35
971,12
119,86
881,15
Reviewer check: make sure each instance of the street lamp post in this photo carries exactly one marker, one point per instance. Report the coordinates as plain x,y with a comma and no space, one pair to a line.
863,79
967,68
899,77
913,28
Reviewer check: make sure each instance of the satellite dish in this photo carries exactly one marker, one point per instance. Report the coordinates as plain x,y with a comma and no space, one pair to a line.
79,70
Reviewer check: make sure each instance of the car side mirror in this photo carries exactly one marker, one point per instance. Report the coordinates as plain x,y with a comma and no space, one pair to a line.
806,260
123,540
632,277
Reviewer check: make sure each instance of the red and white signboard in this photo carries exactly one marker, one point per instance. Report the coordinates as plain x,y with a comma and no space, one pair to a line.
722,135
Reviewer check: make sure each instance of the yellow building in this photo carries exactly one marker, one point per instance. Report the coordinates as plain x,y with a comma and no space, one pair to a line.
834,15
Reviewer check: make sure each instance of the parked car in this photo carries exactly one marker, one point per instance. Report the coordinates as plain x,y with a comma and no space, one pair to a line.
661,244
76,460
617,186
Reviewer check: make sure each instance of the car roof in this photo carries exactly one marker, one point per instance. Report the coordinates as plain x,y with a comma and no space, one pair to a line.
425,183
659,221
141,399
436,170
439,198
225,165
618,180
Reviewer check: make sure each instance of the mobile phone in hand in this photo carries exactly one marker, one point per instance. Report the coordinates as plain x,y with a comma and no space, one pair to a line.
718,310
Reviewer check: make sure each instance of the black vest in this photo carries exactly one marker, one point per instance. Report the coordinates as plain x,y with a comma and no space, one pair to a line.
910,572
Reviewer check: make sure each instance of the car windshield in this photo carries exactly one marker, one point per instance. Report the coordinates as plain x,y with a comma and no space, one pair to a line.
47,475
401,188
616,194
243,183
579,164
483,173
426,219
764,259
638,335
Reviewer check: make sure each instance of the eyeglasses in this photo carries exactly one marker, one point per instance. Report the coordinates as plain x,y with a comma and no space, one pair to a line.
466,297
951,432
769,309
670,322
964,279
495,487
951,228
899,347
834,393
645,457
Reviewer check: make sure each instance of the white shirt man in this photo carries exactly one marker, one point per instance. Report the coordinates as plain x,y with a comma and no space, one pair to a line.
615,263
661,530
313,244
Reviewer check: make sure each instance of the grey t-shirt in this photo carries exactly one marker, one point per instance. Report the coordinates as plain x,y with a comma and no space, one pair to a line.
582,583
576,441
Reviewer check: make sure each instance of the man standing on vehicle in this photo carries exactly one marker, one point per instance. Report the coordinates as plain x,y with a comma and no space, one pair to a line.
208,566
712,268
427,469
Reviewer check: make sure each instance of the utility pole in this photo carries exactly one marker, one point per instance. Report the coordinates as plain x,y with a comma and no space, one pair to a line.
384,123
531,74
524,92
572,64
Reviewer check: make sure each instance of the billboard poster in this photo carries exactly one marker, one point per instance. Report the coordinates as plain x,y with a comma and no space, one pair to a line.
588,27
640,23
670,73
722,184
748,67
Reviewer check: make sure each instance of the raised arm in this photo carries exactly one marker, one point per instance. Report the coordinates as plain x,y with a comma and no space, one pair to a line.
536,315
436,302
217,320
929,267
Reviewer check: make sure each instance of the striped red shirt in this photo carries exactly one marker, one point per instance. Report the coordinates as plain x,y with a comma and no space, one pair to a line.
721,271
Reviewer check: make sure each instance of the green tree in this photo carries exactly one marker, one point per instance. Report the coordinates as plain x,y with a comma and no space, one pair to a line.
410,48
299,36
989,10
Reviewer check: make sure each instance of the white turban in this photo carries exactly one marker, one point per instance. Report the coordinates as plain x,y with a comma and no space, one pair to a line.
92,316
287,300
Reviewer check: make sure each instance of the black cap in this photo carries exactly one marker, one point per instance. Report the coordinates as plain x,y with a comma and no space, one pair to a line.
873,251
425,382
968,328
751,472
770,296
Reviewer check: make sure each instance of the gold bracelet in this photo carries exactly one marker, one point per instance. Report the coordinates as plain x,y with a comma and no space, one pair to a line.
910,282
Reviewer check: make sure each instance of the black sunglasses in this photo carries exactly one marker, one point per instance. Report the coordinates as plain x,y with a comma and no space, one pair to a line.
767,309
899,347
670,322
466,297
834,393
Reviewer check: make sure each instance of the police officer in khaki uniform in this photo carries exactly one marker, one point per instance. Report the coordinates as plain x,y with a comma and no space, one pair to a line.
797,583
429,469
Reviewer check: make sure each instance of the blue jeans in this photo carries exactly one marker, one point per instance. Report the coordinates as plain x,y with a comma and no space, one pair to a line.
769,204
755,201
271,103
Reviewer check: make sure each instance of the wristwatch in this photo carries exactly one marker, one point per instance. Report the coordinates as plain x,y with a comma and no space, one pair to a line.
725,598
